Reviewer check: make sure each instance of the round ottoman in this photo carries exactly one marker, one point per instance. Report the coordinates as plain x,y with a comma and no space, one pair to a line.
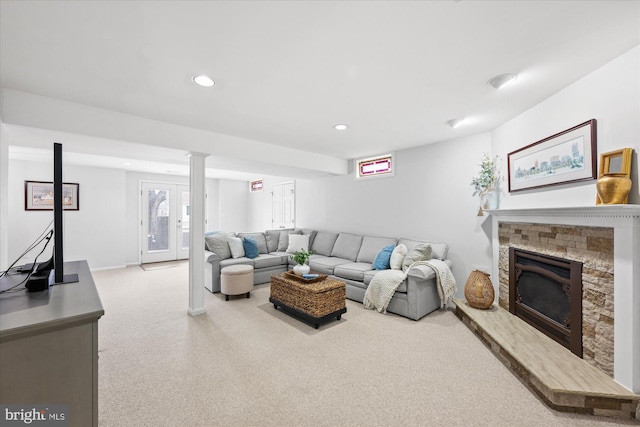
236,280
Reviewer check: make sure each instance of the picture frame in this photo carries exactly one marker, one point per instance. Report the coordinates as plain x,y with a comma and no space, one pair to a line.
618,162
567,157
38,196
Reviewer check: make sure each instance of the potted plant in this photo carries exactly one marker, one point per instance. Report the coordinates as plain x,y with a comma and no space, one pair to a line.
301,257
484,184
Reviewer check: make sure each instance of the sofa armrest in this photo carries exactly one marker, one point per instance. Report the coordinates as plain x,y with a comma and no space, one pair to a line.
211,257
421,272
211,271
424,272
422,291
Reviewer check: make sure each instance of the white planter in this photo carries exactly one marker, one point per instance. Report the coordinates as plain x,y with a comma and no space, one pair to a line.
301,269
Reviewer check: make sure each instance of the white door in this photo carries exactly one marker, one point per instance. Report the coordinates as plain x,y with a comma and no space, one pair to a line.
165,222
283,205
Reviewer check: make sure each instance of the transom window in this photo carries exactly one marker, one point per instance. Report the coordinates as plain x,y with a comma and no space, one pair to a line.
375,166
255,185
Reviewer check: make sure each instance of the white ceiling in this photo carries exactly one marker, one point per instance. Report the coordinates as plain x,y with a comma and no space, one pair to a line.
286,71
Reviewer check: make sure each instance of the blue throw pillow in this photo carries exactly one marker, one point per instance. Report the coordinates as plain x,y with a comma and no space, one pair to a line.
250,247
382,259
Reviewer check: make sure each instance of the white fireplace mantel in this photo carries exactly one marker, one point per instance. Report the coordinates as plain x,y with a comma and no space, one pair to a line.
625,220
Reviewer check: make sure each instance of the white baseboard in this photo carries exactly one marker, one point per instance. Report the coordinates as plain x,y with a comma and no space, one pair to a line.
197,311
116,267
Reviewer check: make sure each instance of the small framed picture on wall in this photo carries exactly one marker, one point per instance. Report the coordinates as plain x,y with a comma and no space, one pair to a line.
38,196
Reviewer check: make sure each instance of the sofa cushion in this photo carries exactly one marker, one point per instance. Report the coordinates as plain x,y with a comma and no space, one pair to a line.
352,270
285,257
371,247
383,259
325,264
323,243
218,244
283,241
439,250
272,237
209,233
419,253
260,239
298,242
268,260
397,256
347,246
250,247
235,244
368,275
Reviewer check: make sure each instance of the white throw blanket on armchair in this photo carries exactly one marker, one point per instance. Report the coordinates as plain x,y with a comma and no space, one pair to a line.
384,284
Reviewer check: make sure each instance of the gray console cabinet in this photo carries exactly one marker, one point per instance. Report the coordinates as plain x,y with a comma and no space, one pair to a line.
49,346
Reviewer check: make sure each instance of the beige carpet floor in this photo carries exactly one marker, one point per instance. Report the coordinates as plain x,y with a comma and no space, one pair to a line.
243,363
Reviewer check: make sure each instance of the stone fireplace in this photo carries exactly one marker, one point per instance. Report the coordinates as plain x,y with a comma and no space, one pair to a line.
592,247
605,239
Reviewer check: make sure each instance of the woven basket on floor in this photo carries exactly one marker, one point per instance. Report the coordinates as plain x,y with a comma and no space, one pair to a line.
479,290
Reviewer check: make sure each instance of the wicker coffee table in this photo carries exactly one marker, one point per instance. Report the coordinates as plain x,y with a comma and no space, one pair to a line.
315,301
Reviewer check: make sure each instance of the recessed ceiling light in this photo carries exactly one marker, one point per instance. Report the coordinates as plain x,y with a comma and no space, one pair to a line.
203,80
127,163
454,123
340,127
501,80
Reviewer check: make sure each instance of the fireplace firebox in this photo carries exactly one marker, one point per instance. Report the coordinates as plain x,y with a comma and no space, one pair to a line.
546,292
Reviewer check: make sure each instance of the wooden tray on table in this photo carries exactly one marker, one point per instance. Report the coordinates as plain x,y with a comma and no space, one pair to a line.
294,276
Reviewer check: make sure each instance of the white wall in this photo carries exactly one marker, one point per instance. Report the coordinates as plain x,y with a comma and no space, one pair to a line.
430,195
260,204
429,198
212,204
105,231
611,95
233,205
96,232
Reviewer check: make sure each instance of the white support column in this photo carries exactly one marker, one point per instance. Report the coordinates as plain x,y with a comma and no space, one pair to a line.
196,233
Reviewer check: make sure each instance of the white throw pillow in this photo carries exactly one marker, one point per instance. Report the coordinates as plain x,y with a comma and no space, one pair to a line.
283,241
298,242
237,249
397,256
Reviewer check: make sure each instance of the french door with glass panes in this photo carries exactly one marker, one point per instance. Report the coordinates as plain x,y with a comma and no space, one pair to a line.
165,222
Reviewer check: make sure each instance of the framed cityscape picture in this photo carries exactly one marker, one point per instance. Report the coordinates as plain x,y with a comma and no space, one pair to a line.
38,196
568,156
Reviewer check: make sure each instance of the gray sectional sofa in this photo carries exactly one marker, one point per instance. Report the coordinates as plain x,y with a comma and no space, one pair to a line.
344,256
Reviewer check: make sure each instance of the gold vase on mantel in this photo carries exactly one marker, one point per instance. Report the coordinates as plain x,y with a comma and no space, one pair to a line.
613,188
